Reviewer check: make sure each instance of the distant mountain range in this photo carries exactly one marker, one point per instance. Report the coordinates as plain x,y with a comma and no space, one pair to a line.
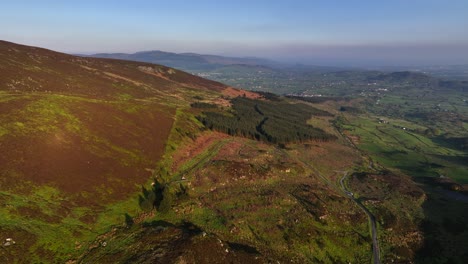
202,63
271,76
187,61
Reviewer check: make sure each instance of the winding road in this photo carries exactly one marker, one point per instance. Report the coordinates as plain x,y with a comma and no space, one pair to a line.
373,225
375,241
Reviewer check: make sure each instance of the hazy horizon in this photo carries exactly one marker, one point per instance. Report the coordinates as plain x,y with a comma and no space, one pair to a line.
329,33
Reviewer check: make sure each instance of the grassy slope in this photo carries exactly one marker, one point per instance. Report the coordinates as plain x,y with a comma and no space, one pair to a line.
439,169
393,146
78,137
284,202
252,193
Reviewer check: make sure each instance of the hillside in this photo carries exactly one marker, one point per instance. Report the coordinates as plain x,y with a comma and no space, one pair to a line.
70,121
114,161
35,69
78,137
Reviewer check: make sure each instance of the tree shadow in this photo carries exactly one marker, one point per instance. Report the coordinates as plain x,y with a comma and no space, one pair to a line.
128,221
158,223
444,227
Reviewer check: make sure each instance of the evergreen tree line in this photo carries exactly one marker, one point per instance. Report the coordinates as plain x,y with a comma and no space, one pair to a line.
163,192
275,122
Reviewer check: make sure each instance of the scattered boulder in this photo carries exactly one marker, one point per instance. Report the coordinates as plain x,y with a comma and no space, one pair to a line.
9,242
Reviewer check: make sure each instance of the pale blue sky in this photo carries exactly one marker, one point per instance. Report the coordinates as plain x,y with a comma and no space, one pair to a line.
327,32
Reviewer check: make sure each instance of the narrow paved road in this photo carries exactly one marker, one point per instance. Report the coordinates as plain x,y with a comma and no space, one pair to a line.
375,241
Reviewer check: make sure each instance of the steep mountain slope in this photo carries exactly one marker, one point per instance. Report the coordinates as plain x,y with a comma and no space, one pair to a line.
68,120
78,135
35,69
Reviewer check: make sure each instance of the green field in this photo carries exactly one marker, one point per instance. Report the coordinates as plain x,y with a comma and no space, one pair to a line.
396,145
